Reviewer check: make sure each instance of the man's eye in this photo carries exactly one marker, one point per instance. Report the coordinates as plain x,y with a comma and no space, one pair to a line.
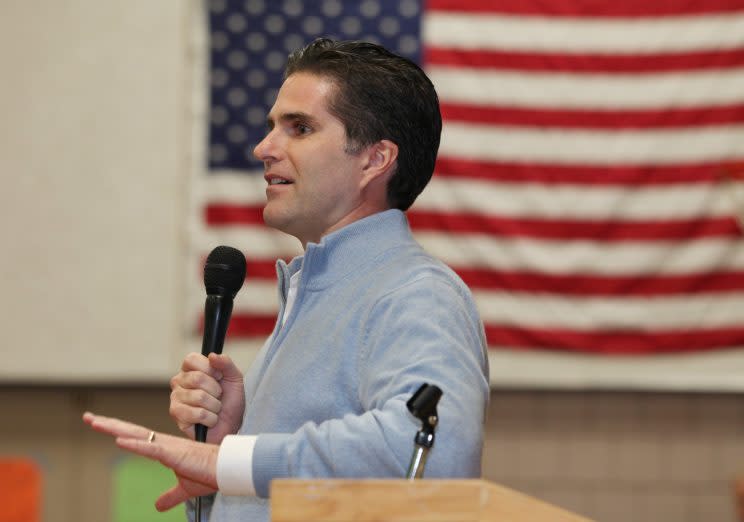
301,128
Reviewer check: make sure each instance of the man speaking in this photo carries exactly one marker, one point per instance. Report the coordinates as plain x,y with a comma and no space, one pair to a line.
366,316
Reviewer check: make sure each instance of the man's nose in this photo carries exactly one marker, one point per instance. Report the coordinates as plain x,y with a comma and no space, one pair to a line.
266,148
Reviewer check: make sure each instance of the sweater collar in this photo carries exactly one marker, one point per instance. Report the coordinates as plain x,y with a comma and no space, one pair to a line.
348,249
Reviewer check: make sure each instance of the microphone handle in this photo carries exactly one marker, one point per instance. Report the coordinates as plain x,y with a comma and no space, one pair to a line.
217,310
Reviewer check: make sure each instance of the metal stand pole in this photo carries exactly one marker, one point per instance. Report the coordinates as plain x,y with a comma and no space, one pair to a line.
423,441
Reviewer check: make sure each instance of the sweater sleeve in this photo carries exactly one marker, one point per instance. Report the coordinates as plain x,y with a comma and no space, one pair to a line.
425,331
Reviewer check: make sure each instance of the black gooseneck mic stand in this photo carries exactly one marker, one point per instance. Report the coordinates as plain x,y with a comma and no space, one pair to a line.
423,406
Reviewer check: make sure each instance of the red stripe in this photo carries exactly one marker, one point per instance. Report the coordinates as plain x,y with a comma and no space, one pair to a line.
683,229
570,284
595,119
244,326
584,63
615,342
733,174
580,174
450,167
251,325
260,269
225,214
604,8
597,285
464,222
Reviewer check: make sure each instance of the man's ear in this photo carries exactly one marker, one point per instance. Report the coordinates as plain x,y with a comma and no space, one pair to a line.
381,160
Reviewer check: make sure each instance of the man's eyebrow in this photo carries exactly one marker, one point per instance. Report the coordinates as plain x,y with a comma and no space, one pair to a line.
293,116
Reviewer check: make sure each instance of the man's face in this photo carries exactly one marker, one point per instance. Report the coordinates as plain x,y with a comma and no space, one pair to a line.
313,184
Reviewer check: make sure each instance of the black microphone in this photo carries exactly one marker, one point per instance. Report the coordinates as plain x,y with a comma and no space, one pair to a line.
224,273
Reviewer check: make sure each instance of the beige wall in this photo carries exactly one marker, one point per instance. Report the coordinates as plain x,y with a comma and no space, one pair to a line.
615,457
621,456
94,179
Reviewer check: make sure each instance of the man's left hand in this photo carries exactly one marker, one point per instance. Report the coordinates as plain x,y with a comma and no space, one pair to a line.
194,463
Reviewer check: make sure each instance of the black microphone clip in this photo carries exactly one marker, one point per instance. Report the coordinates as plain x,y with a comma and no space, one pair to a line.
423,406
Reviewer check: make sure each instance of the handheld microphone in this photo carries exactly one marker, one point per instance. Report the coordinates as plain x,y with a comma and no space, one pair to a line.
224,273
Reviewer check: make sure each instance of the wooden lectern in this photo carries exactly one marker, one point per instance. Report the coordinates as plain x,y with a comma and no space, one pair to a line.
427,500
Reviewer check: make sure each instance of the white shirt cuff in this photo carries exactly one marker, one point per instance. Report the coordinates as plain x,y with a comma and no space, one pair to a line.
235,465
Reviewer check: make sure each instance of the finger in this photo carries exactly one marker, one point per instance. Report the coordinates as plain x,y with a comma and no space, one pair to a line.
186,415
191,460
115,427
196,399
197,362
171,498
179,413
163,448
226,367
184,490
142,447
197,380
188,429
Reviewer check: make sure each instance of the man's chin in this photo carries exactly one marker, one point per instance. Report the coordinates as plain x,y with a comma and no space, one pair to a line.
274,218
270,217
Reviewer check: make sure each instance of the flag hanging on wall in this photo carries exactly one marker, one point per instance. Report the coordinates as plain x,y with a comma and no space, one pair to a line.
586,187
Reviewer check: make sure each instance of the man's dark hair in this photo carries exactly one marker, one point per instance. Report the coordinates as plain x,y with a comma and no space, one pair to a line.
380,95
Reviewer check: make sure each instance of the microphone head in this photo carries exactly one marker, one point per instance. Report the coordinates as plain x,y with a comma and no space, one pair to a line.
224,271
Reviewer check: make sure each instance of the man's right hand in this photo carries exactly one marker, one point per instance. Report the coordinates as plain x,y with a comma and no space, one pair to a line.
208,391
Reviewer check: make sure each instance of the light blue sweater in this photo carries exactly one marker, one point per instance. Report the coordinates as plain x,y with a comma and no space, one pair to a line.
374,318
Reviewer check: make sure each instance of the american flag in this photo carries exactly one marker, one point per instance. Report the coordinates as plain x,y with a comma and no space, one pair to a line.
587,185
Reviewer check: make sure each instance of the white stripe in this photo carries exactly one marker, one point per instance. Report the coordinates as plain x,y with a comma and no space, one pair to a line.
549,257
256,241
530,199
546,311
257,296
568,146
241,351
588,91
542,369
233,187
584,35
579,313
585,257
716,371
598,314
537,200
